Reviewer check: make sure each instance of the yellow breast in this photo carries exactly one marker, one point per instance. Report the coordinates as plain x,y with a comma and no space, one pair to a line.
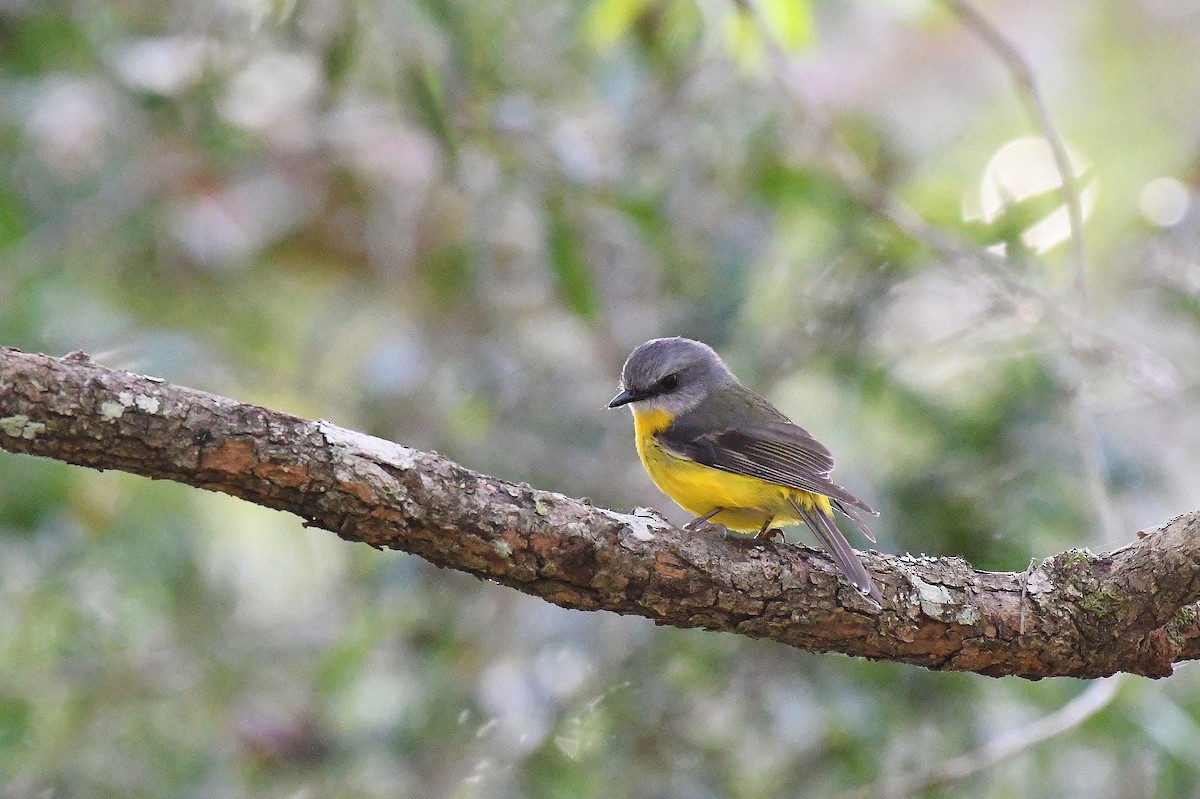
749,502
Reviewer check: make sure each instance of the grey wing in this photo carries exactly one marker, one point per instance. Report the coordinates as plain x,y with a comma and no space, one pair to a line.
778,452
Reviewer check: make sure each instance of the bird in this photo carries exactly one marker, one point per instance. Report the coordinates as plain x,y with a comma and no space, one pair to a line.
728,456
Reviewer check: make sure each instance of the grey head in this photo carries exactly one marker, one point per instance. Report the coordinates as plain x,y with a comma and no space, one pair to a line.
671,374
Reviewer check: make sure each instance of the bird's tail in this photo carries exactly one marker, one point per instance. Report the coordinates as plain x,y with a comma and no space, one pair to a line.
854,516
831,538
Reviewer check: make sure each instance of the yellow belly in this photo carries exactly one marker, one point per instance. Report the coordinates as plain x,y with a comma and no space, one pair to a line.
749,502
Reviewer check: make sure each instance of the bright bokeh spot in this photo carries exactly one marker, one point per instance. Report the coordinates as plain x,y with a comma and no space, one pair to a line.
1164,202
1023,170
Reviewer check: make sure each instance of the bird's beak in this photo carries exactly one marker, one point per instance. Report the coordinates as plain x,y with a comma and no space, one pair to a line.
624,398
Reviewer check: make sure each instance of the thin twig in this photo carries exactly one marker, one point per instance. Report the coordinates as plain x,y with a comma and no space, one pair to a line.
858,183
1097,697
1028,90
1086,433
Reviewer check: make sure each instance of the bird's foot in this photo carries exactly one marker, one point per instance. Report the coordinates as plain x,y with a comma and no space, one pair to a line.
697,526
769,534
702,522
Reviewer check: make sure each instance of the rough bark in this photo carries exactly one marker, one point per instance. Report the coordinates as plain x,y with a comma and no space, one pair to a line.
1077,613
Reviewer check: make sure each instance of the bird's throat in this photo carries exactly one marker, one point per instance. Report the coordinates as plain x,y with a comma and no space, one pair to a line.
647,422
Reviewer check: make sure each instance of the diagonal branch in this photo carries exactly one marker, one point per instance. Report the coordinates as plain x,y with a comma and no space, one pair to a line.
1085,615
1091,701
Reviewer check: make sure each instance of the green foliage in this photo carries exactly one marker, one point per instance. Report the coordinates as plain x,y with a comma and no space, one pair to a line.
788,24
48,39
665,32
568,261
429,101
609,20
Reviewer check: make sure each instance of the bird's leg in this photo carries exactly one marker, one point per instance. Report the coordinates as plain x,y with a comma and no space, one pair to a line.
700,522
769,533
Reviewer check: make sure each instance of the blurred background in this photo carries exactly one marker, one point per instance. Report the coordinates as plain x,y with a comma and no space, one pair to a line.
445,223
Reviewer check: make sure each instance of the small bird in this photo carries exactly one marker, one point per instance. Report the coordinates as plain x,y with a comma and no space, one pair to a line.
728,456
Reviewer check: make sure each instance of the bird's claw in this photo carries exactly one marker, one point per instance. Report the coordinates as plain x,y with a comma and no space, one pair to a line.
702,526
769,535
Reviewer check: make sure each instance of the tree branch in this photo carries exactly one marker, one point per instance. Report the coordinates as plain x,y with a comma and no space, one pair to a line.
1085,615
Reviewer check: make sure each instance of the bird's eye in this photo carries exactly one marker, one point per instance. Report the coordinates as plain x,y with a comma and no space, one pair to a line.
669,383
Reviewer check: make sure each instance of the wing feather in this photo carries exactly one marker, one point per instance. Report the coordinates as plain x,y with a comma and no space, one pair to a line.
777,451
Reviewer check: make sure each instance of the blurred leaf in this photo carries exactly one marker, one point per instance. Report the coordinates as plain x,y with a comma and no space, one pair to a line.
789,22
33,491
607,21
665,31
339,52
567,261
448,268
445,248
743,38
872,146
471,418
429,96
1018,216
48,39
651,219
668,33
16,717
470,36
13,219
817,190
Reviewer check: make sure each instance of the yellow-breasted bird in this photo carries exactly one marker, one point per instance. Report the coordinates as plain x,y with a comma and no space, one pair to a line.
728,456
